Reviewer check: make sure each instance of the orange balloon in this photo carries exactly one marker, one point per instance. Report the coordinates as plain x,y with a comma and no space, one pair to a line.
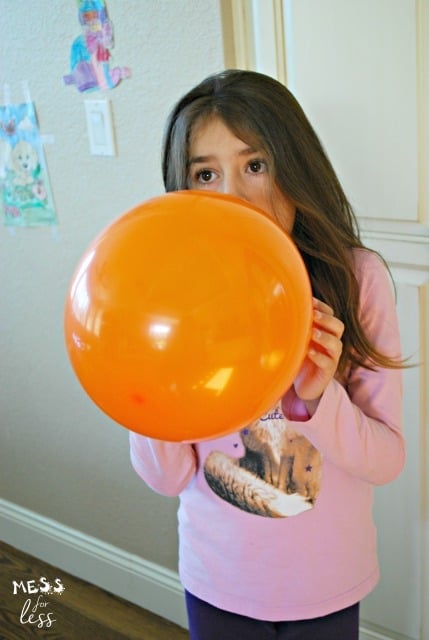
189,316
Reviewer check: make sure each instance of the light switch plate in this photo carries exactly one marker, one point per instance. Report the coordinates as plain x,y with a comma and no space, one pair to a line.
100,127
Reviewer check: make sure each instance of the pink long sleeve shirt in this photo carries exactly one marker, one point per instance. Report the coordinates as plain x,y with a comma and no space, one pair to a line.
275,521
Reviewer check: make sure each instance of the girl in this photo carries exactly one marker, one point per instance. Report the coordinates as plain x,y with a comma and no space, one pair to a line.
275,528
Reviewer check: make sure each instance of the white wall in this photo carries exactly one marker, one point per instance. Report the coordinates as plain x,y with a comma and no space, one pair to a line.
59,455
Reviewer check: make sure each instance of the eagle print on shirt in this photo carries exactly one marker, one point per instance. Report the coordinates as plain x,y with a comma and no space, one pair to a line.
278,476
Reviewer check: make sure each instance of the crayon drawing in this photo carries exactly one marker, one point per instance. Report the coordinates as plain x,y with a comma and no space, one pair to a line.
91,51
25,194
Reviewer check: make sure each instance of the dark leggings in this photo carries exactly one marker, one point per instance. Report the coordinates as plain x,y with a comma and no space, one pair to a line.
209,623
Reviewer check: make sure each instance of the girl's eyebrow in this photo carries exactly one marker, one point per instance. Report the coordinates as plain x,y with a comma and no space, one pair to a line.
201,159
246,151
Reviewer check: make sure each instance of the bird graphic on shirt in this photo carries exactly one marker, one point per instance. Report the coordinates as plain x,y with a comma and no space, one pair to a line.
278,476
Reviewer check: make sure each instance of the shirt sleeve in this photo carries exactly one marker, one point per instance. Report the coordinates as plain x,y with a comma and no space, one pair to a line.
358,425
166,467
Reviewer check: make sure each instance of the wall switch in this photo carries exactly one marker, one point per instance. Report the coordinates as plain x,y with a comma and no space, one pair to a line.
100,127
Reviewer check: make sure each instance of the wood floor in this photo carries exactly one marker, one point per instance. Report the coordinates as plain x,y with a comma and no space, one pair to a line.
81,612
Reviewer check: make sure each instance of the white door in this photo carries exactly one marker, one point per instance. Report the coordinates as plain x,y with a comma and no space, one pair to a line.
360,69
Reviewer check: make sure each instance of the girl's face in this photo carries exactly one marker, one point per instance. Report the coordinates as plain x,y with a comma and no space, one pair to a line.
218,161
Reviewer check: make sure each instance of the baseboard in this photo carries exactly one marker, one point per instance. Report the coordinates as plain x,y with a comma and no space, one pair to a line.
371,632
367,634
139,581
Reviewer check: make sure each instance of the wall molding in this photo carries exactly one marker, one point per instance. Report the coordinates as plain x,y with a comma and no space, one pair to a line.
422,57
128,576
367,633
253,35
404,244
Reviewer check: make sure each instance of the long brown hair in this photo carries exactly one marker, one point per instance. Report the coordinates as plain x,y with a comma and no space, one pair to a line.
263,113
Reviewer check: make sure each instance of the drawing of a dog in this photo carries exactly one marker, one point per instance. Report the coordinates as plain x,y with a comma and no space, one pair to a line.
24,161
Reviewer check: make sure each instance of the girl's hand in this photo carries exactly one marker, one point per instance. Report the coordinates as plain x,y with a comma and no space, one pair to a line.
322,358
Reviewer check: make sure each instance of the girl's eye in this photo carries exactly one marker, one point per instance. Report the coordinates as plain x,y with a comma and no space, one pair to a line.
205,175
257,166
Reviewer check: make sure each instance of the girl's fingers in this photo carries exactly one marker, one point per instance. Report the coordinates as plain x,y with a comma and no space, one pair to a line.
326,343
325,321
322,306
323,355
